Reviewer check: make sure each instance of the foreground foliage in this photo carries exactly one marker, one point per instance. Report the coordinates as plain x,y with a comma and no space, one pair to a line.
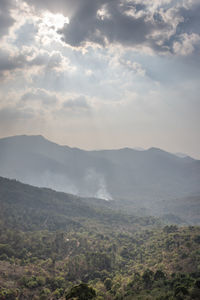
55,247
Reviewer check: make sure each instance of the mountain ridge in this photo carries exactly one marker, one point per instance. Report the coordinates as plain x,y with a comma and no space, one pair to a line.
124,173
126,148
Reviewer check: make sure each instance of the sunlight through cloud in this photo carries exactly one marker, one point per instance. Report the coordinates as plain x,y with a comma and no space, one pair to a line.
55,20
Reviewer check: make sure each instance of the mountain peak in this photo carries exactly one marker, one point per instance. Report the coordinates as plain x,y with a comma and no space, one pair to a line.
24,136
155,149
37,136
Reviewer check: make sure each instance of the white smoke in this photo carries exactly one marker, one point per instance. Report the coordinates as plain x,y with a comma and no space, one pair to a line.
95,185
102,191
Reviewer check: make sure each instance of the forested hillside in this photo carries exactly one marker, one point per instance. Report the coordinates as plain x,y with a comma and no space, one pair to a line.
58,246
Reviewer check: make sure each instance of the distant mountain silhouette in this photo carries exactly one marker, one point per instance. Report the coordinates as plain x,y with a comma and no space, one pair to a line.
127,174
180,154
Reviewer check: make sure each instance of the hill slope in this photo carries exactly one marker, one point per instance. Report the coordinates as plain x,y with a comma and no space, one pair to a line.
27,207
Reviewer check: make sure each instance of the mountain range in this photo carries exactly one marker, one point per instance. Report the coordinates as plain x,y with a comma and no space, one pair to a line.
140,178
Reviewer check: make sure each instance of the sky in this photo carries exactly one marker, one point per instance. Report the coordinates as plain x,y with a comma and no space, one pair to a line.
102,74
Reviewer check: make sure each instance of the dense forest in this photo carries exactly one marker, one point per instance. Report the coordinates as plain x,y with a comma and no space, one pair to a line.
59,246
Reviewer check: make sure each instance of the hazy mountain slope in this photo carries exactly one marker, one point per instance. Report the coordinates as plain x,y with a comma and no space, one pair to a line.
119,174
51,209
187,210
26,207
37,161
153,172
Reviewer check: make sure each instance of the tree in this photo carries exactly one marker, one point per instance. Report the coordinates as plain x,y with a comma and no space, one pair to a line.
108,283
147,278
81,292
159,275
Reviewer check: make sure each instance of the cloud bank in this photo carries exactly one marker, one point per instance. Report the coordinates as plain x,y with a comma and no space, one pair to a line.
102,73
156,25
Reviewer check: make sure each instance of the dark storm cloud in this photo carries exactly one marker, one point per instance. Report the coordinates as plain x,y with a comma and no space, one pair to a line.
107,22
129,23
6,19
90,24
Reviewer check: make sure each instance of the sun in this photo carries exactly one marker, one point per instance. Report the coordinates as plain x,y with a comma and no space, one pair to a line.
54,20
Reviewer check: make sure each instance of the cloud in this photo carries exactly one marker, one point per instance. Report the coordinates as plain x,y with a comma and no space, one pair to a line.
104,22
26,111
186,43
25,35
58,6
134,67
50,60
6,20
76,103
9,62
41,96
11,113
27,59
155,24
190,13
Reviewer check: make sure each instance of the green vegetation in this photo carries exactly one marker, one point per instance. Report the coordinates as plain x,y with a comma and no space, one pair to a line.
57,246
